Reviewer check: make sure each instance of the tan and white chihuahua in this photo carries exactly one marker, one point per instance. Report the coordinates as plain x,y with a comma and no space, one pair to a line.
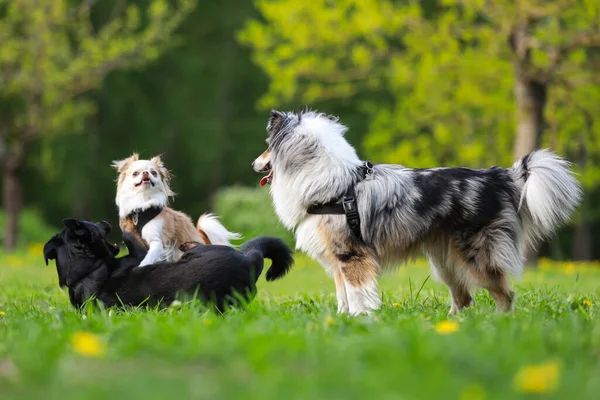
143,193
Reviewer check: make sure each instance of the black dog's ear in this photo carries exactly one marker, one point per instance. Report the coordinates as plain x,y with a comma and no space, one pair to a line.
275,121
75,226
50,248
72,224
105,225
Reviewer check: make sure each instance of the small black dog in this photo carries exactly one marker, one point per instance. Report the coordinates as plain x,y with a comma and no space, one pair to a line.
86,263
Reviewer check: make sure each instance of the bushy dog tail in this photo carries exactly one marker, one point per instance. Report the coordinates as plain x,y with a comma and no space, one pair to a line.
209,226
272,248
549,195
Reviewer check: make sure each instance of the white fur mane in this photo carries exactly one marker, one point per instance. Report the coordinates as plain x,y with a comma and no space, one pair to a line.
324,173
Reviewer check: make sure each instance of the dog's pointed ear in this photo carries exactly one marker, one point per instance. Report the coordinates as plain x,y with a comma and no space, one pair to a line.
105,226
275,120
277,114
122,165
72,224
50,248
157,160
165,174
75,226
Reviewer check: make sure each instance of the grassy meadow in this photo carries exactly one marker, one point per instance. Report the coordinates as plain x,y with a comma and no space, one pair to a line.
290,344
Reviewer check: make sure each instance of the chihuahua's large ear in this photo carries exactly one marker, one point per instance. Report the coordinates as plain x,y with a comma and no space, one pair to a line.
157,160
276,120
164,173
122,165
50,248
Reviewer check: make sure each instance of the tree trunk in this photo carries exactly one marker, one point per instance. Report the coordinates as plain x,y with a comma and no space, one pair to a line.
582,237
12,202
531,100
530,96
224,111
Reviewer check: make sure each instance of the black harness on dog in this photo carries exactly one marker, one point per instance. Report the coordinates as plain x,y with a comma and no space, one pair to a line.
141,218
345,204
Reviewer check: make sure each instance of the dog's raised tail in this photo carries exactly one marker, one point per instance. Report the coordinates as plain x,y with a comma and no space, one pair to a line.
549,195
209,225
272,248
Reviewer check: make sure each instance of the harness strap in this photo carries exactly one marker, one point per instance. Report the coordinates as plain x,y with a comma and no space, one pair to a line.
141,218
346,204
329,208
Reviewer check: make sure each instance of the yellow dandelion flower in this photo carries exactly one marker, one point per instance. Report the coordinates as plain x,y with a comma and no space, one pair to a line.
14,260
375,319
472,392
2,313
87,344
586,303
569,268
207,322
35,249
541,378
329,320
446,327
396,304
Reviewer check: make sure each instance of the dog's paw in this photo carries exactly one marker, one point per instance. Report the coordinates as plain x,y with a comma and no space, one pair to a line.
343,309
145,262
356,313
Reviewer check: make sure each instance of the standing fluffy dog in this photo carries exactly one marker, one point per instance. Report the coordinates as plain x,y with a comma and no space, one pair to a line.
142,197
472,224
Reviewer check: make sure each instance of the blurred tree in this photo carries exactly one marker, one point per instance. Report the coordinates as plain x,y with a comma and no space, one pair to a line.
195,105
51,55
470,82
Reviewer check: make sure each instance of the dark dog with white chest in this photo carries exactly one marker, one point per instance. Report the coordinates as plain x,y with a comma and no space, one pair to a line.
87,265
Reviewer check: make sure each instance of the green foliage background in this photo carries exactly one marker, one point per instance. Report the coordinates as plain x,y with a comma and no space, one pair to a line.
422,83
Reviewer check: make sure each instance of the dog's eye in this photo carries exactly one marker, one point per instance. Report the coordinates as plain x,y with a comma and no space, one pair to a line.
154,173
136,173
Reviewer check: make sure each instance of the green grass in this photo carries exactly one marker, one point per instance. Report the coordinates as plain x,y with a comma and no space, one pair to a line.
290,344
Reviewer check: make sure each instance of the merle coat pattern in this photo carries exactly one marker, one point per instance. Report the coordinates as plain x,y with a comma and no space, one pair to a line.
472,224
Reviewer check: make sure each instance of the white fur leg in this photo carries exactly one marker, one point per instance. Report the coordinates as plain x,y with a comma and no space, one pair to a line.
155,253
363,299
340,291
454,308
152,233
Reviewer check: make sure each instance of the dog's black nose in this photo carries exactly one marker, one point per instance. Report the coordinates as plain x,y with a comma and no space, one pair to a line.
252,165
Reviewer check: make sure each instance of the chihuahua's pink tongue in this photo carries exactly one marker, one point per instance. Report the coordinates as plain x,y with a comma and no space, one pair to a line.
267,179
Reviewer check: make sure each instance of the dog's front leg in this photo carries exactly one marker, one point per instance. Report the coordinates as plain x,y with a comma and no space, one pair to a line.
340,291
152,234
154,253
360,279
363,298
135,246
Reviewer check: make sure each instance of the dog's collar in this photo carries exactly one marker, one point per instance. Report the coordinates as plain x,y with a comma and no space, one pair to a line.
346,204
141,217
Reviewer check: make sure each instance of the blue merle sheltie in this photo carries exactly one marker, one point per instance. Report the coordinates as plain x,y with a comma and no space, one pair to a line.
472,224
